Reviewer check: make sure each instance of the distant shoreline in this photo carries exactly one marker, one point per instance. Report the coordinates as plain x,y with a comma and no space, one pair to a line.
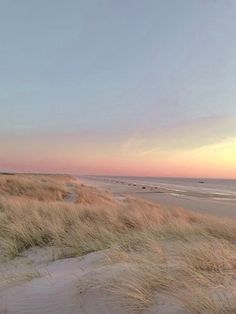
157,177
194,198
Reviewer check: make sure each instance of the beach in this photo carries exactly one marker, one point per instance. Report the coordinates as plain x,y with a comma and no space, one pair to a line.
208,196
102,245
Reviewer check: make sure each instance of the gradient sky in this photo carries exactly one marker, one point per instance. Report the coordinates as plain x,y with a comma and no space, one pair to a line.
124,87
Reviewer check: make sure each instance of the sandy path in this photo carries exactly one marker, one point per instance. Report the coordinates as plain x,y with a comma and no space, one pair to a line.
61,289
72,196
71,286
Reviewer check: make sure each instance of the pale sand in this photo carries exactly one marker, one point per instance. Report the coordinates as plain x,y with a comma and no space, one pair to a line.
61,288
202,203
66,286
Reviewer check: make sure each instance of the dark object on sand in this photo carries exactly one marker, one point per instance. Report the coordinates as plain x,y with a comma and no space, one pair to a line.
201,182
134,184
143,187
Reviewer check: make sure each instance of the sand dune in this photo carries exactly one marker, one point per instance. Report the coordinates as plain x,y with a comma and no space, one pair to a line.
94,252
57,290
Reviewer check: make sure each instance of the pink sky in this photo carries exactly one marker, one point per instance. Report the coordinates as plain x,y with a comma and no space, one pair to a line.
187,150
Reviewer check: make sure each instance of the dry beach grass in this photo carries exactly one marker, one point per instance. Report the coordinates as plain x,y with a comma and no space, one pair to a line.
39,187
172,252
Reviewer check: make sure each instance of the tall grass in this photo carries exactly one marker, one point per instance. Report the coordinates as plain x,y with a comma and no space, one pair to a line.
25,223
161,250
92,196
40,187
199,275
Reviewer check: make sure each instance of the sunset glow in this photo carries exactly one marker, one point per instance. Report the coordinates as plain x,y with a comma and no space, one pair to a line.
114,88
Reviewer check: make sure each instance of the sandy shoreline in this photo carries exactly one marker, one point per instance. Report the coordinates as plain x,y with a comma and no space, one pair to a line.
199,202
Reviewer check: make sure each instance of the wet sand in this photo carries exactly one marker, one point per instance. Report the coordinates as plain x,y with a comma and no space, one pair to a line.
207,203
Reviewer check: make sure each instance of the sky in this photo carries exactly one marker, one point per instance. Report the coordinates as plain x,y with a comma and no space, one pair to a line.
124,87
